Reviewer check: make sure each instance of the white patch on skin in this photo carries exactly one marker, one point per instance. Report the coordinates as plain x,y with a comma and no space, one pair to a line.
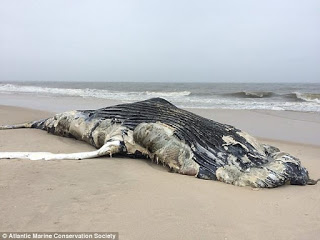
106,131
169,130
230,141
228,174
79,127
132,146
285,157
211,155
254,142
257,177
254,177
232,160
164,147
245,159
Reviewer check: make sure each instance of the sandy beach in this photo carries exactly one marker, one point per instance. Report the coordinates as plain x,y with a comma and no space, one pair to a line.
142,200
251,65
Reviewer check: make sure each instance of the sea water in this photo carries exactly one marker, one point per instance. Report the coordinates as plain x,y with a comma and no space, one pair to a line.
269,96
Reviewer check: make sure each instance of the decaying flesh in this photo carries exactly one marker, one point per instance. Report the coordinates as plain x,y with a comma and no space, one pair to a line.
185,142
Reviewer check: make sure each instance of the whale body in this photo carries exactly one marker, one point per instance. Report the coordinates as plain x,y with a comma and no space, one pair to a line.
183,141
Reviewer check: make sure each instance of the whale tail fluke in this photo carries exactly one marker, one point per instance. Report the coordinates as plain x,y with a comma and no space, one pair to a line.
313,182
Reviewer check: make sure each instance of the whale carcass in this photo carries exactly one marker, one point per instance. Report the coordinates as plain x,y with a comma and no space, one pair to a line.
185,142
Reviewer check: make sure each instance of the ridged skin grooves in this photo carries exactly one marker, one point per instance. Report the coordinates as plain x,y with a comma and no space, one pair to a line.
221,151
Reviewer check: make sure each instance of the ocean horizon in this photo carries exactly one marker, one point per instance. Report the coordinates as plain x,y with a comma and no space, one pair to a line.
302,97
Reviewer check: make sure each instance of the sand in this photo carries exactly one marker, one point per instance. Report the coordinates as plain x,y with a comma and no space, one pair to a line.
142,200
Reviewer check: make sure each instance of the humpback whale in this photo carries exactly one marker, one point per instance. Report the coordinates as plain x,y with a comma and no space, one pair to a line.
185,142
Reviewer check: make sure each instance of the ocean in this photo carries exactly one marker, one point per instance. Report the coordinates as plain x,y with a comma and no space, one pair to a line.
304,97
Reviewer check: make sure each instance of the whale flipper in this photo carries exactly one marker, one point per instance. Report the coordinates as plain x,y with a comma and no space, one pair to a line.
108,149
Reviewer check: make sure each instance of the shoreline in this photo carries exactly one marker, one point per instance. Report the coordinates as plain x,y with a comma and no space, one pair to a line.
18,99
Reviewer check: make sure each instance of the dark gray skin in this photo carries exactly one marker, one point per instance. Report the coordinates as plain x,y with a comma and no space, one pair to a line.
185,142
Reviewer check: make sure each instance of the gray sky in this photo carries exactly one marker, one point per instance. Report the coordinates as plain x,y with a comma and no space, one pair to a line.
165,40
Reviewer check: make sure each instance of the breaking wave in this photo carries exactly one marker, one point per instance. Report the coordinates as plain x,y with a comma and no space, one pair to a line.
308,97
168,94
295,96
245,94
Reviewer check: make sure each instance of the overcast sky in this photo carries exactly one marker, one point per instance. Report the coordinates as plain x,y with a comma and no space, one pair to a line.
165,40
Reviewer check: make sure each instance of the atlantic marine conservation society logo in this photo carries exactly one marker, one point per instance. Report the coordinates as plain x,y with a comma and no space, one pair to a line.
59,235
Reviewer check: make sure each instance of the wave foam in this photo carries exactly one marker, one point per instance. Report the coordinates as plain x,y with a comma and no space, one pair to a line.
168,94
87,92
